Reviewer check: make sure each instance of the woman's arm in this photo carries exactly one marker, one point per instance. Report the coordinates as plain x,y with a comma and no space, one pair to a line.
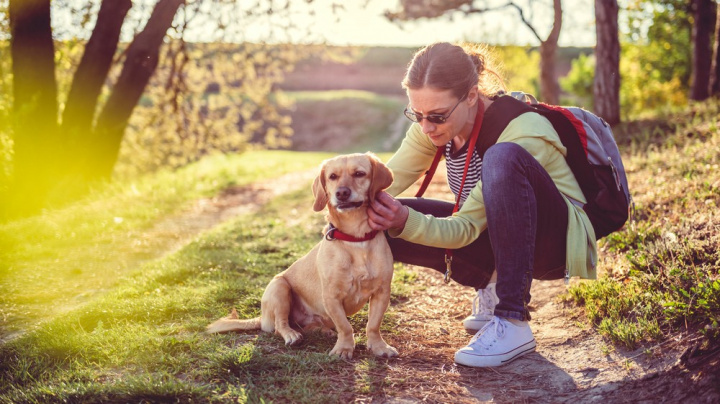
532,132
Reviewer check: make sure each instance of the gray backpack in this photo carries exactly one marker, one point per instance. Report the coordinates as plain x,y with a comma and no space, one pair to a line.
592,155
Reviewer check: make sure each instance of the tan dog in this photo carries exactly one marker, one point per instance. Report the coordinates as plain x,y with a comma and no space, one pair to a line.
349,267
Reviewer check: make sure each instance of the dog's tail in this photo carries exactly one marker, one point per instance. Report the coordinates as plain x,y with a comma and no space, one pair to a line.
232,323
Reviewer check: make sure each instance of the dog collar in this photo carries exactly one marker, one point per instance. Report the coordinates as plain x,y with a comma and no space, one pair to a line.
334,234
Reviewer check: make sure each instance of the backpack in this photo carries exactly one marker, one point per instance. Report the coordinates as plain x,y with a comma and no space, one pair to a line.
592,155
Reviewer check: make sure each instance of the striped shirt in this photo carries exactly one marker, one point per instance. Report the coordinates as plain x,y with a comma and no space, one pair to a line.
455,163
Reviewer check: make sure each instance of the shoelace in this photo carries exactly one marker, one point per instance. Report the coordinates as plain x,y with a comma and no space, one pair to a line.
483,303
489,333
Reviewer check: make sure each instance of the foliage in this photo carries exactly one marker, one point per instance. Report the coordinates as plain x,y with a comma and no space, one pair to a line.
667,37
661,272
655,60
517,65
226,97
642,91
202,99
642,88
579,81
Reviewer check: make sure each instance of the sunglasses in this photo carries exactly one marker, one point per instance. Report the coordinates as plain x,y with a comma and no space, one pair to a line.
437,119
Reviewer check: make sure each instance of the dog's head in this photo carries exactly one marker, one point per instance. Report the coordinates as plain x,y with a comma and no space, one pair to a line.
350,181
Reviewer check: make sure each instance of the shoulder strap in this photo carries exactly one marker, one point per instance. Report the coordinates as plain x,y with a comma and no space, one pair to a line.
503,110
430,172
569,128
571,132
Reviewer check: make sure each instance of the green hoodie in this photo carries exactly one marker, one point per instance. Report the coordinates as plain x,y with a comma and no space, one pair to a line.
536,135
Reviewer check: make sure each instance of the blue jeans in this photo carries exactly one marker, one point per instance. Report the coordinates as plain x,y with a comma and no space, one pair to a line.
526,235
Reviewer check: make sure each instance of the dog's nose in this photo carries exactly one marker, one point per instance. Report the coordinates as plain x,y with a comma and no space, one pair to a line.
343,193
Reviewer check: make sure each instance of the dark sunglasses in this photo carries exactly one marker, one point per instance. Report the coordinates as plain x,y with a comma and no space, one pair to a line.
432,118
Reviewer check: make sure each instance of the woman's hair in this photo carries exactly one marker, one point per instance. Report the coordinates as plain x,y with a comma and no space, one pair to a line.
445,66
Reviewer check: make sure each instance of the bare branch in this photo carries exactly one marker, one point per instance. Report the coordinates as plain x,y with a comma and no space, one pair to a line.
509,4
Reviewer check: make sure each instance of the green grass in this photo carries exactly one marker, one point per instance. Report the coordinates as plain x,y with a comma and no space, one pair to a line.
143,341
662,272
66,257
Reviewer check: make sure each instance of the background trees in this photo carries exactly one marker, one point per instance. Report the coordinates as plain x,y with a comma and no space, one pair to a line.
123,83
667,53
61,142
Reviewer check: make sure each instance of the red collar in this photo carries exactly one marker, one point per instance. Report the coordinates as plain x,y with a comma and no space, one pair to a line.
334,234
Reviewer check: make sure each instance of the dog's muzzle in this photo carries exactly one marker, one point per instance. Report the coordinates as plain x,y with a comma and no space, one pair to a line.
348,205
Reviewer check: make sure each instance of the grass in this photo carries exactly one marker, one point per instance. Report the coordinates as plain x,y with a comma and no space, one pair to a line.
68,256
662,272
144,342
347,121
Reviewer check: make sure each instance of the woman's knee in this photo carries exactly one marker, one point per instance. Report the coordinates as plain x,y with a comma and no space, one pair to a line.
502,161
505,153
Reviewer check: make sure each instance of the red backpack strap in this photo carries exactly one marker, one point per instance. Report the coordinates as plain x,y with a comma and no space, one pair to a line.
430,172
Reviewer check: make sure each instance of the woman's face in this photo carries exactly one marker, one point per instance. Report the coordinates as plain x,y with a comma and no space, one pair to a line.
426,101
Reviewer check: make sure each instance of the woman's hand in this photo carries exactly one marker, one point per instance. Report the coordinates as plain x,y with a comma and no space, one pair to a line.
387,212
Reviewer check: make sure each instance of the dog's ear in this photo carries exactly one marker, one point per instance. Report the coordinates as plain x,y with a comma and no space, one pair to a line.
318,189
382,177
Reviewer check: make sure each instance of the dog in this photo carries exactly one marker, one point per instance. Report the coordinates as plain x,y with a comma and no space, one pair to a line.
350,266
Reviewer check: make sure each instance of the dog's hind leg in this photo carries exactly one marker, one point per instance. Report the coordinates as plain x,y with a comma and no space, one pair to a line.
276,306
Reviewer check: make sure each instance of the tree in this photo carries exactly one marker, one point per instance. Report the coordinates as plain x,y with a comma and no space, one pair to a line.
35,100
55,160
606,86
715,67
702,35
549,86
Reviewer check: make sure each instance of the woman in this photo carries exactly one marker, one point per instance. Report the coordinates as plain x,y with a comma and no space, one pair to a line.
517,219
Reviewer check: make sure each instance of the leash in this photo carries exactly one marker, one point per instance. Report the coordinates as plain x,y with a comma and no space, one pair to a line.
431,171
334,234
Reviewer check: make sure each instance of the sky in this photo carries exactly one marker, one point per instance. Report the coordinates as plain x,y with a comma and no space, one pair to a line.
361,22
357,22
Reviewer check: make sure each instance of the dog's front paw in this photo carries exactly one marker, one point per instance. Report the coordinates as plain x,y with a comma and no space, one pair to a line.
383,349
343,350
291,337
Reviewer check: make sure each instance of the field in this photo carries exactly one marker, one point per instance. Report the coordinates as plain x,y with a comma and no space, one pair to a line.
106,300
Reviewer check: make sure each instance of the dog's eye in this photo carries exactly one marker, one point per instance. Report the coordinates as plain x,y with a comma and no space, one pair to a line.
333,176
359,174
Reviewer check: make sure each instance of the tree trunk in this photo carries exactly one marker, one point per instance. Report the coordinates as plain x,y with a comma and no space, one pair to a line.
606,87
549,86
140,63
35,104
703,29
92,72
714,89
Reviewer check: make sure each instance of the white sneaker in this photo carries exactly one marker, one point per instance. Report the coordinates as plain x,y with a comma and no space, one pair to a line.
482,309
499,342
